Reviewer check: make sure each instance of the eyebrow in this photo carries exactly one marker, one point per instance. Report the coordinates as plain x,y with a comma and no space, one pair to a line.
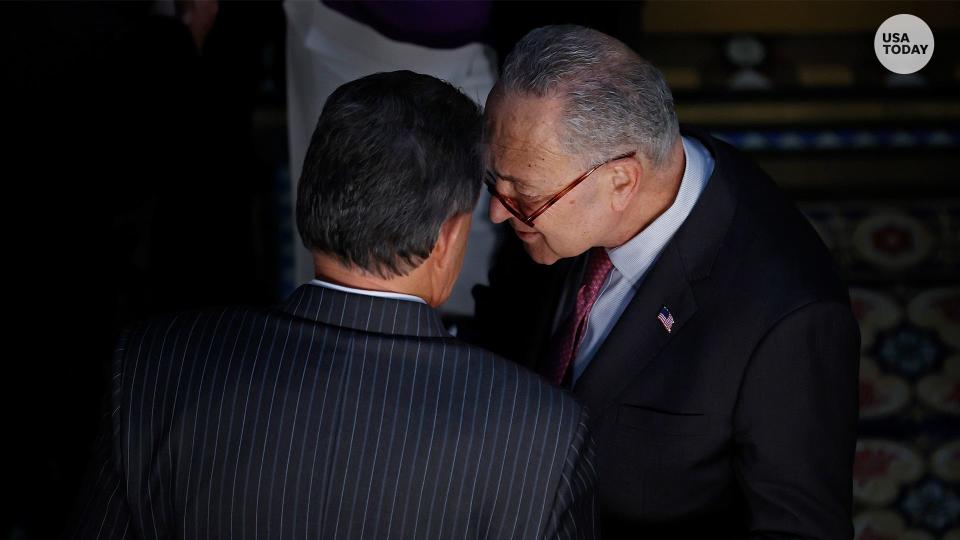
509,178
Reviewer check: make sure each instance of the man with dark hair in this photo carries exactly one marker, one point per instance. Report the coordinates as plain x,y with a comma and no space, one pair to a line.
689,305
347,412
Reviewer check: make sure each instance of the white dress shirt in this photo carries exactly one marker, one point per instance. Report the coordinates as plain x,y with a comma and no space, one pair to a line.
367,292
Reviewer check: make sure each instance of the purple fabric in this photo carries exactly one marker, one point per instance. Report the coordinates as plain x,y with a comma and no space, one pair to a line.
442,25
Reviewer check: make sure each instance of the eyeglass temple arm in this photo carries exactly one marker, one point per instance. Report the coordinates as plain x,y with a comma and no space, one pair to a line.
552,200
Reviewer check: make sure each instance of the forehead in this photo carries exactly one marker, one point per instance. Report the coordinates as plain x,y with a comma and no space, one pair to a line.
522,135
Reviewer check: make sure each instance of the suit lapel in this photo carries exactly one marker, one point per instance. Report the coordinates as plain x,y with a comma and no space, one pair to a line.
638,335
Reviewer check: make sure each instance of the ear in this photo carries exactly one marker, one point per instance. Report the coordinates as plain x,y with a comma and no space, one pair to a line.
452,233
443,265
625,182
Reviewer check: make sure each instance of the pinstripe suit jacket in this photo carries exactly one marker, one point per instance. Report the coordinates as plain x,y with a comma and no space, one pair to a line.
334,416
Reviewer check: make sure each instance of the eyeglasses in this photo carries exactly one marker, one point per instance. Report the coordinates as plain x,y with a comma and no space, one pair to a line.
514,208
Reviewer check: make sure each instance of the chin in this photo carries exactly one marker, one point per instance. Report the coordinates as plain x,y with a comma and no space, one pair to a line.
540,253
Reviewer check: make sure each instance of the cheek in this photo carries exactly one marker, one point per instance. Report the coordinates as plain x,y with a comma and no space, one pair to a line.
567,233
573,237
580,218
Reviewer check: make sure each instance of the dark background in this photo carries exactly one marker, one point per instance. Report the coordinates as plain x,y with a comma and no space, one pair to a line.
145,175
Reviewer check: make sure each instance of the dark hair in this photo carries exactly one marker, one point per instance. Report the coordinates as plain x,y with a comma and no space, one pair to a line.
394,155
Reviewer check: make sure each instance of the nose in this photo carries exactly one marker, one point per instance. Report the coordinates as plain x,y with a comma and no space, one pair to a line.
498,214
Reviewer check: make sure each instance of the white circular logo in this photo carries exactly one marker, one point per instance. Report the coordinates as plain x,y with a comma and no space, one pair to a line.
904,44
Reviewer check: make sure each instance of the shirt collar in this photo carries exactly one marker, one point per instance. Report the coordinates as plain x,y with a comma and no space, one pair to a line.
364,312
633,258
378,294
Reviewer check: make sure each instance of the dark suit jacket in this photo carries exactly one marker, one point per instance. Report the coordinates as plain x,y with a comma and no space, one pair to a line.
335,416
741,421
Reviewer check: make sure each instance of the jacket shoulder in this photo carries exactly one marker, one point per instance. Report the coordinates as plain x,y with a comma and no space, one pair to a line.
533,393
182,334
774,243
184,321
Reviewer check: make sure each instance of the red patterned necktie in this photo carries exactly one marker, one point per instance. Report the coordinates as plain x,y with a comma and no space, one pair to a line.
567,339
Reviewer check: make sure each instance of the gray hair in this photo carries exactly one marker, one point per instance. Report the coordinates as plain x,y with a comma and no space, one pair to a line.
615,100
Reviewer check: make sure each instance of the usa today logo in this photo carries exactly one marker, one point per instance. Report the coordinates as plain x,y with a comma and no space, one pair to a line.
904,44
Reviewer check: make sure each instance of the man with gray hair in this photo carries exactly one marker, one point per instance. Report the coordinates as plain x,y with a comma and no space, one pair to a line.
680,296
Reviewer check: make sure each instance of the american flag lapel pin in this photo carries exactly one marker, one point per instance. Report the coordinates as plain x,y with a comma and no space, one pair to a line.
666,319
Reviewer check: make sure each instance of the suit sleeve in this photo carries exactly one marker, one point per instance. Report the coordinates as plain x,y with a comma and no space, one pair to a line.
102,510
795,425
574,511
